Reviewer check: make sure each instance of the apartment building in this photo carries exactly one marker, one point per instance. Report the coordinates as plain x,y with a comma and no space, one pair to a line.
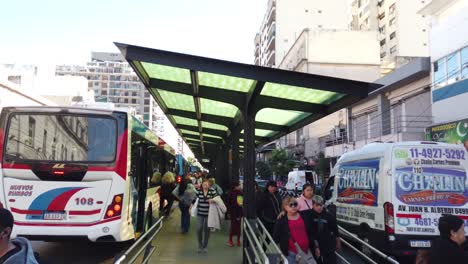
403,32
449,58
284,21
322,52
398,111
113,80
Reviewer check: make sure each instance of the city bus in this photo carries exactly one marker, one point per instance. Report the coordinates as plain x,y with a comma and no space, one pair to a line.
70,173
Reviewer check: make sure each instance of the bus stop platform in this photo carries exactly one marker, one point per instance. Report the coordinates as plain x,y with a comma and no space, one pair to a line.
174,247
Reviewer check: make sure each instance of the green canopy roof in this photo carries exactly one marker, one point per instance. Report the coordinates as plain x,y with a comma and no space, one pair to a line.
204,97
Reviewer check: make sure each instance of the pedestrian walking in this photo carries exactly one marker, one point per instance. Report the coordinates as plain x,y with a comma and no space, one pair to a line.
197,180
305,200
215,186
13,251
166,197
235,202
205,196
185,194
324,230
269,206
292,233
448,247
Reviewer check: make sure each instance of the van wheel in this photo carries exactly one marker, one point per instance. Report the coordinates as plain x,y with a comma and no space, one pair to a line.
365,249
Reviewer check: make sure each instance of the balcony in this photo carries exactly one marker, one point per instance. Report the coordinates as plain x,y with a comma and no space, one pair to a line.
257,60
271,12
398,128
270,59
271,44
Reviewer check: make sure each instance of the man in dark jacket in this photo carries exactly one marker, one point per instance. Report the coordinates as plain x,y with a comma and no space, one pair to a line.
324,231
16,251
448,248
268,207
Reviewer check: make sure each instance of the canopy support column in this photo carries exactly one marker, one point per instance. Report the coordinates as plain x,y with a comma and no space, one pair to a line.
234,157
249,165
222,165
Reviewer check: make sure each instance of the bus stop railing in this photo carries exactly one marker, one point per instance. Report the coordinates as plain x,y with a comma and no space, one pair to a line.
364,243
142,248
261,247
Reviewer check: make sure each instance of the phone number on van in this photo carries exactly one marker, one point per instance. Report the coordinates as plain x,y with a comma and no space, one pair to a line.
430,222
436,153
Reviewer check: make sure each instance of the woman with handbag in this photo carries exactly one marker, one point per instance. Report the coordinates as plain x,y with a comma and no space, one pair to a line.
293,235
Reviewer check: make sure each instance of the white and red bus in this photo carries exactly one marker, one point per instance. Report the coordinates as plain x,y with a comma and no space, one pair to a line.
79,173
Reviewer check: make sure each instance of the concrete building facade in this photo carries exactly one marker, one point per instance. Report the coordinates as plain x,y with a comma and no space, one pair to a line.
398,111
403,32
322,52
449,58
113,80
284,21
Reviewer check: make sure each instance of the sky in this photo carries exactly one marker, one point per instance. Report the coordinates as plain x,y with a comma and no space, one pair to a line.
65,32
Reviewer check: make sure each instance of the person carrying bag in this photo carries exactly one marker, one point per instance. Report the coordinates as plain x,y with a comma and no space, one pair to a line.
303,257
293,235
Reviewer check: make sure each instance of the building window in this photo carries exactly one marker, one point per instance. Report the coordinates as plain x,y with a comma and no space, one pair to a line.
382,29
392,8
392,21
393,49
439,73
453,67
31,131
383,54
381,16
393,35
134,101
382,42
146,109
134,93
44,142
147,101
464,63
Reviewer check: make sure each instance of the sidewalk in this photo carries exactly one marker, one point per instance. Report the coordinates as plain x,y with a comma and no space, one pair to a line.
173,247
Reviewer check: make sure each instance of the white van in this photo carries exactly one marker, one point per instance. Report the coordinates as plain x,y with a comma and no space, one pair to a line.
297,179
392,194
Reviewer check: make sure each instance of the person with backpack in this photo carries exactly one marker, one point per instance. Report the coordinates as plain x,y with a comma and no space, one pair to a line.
185,193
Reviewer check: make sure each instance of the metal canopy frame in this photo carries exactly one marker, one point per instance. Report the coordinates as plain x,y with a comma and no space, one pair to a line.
228,97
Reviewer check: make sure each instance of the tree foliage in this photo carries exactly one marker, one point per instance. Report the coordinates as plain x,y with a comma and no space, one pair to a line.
281,163
323,165
264,170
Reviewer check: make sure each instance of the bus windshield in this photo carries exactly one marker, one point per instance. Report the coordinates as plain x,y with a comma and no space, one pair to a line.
61,138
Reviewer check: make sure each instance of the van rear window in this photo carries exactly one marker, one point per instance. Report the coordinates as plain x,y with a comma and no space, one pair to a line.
358,182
